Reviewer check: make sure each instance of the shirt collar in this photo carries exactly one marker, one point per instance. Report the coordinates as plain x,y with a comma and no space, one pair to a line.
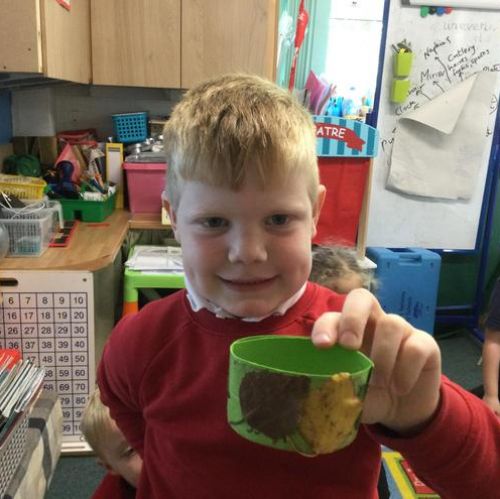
197,303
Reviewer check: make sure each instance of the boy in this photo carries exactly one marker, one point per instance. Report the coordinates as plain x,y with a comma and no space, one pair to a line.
244,196
113,451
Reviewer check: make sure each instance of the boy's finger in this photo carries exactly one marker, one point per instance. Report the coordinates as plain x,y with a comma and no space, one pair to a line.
390,332
419,353
360,309
324,332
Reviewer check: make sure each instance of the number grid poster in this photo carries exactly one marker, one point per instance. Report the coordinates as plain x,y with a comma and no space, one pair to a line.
49,317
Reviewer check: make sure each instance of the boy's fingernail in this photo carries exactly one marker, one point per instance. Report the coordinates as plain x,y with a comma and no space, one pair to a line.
348,339
322,339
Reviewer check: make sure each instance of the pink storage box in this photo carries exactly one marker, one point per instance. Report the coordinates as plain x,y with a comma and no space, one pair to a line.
145,183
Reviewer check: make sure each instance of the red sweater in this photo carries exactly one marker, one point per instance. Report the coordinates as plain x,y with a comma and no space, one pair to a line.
164,377
114,487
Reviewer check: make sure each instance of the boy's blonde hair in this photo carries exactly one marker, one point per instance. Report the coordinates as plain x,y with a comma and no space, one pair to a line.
96,422
234,124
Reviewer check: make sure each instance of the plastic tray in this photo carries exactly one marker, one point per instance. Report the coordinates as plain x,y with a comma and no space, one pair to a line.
22,187
29,236
88,211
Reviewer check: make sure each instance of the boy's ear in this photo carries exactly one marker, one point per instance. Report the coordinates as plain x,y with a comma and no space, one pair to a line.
173,216
320,199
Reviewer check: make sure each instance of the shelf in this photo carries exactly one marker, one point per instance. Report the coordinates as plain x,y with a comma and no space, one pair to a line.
92,247
148,221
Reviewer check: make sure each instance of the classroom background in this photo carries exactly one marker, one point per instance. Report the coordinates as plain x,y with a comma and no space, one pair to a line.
84,94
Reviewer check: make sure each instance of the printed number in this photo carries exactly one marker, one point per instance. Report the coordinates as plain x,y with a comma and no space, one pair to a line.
78,300
62,315
79,400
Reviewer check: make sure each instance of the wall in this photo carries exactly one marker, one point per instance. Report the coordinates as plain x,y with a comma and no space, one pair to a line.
45,111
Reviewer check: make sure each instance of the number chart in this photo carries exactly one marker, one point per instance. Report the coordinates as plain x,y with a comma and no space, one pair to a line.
49,317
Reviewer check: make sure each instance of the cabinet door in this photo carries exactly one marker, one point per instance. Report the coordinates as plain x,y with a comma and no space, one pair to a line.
40,36
66,40
20,37
220,36
136,42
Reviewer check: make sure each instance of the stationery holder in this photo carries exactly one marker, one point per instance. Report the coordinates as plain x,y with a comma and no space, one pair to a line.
399,90
402,64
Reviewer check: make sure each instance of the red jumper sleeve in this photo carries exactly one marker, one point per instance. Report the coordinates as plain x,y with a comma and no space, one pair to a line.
119,378
458,453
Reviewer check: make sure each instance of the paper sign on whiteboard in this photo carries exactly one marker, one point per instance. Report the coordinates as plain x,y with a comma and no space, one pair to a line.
438,146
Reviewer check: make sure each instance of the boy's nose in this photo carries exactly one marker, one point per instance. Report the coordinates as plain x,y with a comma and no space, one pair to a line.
247,247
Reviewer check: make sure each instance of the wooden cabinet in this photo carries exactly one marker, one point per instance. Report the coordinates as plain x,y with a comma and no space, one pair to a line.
220,36
136,43
41,36
178,43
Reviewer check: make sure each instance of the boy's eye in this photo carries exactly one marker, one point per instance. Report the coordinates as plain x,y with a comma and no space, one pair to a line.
128,452
278,219
214,223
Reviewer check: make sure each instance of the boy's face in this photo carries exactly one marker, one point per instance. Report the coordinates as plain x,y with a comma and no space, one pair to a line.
247,251
119,457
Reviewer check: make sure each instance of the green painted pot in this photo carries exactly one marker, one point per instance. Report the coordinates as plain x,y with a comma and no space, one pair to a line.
287,394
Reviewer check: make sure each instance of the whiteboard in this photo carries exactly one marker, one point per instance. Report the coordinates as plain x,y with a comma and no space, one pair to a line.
447,50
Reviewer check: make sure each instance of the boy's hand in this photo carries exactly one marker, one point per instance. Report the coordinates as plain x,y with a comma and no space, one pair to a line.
404,388
493,403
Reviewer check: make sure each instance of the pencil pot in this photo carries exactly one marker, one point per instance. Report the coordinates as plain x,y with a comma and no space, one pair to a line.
287,394
402,64
399,90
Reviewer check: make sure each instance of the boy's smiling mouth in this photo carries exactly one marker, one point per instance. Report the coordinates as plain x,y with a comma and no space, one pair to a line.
248,284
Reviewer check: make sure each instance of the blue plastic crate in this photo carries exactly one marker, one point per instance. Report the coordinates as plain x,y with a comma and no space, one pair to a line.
408,282
130,127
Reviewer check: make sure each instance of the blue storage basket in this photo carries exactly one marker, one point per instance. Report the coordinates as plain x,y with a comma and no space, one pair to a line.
130,127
